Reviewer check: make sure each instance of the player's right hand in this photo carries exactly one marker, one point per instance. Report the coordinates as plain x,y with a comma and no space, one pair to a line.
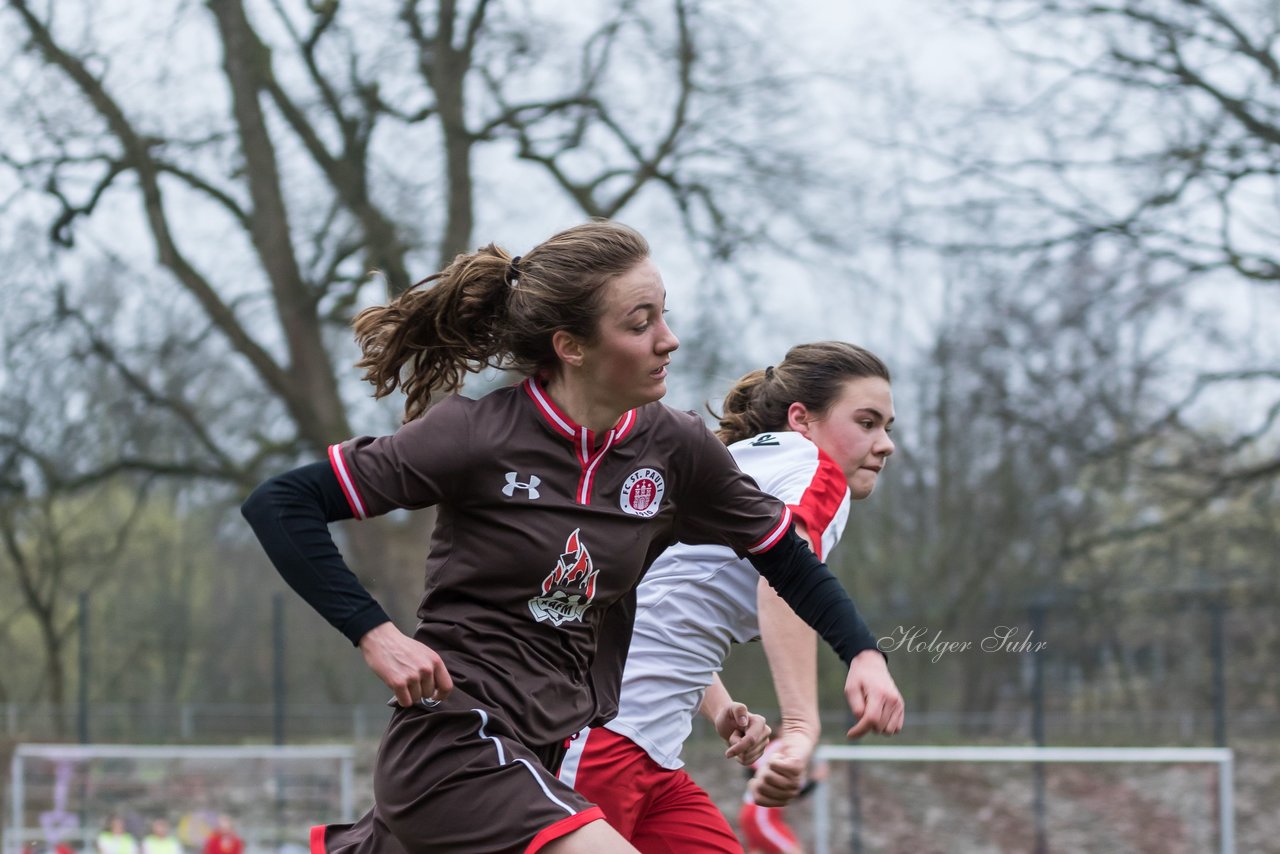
746,733
873,697
408,667
781,775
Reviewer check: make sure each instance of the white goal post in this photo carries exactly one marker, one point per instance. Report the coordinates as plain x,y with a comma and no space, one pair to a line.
1221,757
73,787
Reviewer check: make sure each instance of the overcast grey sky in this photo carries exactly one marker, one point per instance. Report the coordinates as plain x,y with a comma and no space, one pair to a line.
872,72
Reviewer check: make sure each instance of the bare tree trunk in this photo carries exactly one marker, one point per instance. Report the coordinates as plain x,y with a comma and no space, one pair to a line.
448,79
39,582
444,65
388,558
319,413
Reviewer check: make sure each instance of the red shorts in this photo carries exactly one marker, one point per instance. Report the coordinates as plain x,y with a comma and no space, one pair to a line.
766,829
658,810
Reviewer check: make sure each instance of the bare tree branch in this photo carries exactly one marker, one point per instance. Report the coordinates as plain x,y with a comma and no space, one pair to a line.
136,155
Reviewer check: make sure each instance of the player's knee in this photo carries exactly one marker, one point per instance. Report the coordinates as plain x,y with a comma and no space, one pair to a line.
593,837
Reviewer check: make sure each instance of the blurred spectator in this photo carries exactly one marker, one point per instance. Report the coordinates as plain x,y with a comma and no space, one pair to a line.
114,839
161,840
61,847
223,840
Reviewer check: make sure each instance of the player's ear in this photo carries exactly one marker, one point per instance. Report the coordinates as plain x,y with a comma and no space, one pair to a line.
798,418
567,347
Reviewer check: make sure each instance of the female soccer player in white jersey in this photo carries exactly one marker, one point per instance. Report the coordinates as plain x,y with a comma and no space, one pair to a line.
554,496
814,431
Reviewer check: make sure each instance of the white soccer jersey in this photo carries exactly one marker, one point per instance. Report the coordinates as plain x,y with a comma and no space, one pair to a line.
697,600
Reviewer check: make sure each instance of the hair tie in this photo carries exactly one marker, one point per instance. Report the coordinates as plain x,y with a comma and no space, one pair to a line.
768,373
513,271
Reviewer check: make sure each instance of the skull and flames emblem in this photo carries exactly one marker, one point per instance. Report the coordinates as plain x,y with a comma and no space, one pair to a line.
568,590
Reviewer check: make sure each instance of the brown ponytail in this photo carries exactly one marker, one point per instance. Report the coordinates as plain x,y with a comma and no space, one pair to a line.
484,311
812,374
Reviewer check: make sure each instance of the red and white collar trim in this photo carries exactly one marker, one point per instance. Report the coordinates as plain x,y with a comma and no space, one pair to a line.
557,419
565,426
584,440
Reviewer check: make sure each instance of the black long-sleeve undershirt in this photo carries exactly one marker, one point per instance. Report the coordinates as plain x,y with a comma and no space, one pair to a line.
807,585
290,514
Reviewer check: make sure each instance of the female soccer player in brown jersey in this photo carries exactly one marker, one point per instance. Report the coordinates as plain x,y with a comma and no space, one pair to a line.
554,497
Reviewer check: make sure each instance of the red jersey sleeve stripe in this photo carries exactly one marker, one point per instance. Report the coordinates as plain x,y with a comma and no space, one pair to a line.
344,480
820,500
771,539
801,519
317,839
552,832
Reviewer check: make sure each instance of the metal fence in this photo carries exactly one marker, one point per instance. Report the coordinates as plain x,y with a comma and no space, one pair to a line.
236,723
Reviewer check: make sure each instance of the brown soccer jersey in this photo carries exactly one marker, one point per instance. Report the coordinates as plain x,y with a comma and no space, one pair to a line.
543,531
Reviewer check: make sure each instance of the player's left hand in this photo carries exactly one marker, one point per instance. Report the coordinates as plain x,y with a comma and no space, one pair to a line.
746,733
873,696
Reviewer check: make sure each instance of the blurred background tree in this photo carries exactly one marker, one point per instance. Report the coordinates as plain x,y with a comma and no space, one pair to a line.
1055,220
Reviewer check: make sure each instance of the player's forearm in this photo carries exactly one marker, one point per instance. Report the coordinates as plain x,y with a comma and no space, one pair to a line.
792,650
714,699
290,515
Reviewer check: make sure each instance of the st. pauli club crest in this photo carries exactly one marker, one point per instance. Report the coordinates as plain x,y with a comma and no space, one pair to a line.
642,493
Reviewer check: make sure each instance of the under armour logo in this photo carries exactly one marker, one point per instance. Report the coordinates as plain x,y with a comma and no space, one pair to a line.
513,484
